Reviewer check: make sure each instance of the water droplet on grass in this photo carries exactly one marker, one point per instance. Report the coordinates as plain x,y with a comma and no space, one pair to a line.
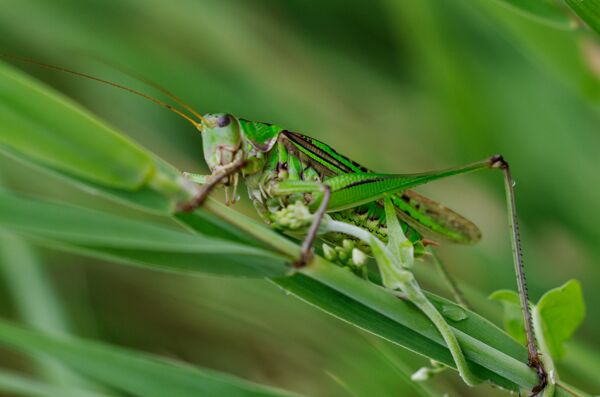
454,313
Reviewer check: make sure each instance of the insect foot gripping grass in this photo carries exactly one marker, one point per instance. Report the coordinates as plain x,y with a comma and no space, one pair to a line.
303,187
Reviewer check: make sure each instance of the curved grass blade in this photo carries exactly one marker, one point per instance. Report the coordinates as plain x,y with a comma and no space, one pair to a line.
403,369
135,373
141,243
376,311
19,385
36,300
145,198
545,11
76,141
42,127
496,356
588,11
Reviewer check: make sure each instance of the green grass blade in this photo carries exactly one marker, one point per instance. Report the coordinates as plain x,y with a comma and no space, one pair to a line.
141,243
588,10
36,301
133,372
145,198
545,11
404,370
376,311
34,120
496,355
18,385
43,128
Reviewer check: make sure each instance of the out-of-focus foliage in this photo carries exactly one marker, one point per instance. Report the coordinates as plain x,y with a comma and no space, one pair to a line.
548,11
131,372
513,319
399,86
589,11
560,311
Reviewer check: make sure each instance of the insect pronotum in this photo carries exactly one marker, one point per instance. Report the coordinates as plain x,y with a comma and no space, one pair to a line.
282,168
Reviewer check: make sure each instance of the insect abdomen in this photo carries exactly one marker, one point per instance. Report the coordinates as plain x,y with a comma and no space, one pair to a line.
286,162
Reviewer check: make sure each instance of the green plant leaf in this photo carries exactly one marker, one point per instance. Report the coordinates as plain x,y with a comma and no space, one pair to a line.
513,317
327,286
18,385
404,369
75,142
495,355
45,129
141,243
145,198
546,11
132,372
562,310
373,309
38,304
588,10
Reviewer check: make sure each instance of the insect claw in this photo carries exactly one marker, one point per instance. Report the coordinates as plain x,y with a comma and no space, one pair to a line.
305,258
535,362
193,204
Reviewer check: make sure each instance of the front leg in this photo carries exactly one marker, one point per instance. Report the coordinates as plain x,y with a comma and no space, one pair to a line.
306,248
210,183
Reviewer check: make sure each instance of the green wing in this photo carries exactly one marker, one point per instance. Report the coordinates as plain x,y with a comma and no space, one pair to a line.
353,185
434,218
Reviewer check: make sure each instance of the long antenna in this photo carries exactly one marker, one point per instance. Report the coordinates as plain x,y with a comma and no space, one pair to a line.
117,85
131,73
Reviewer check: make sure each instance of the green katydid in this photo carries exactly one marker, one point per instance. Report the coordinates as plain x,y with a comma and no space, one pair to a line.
304,187
281,167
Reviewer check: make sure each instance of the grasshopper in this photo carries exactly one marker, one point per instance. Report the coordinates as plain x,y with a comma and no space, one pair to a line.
284,169
303,187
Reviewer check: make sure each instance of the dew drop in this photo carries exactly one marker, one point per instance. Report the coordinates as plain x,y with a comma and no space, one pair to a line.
454,313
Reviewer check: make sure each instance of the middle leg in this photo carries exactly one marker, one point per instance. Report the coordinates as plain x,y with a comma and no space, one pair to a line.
294,187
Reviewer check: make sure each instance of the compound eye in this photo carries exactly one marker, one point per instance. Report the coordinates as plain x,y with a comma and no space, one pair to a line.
223,121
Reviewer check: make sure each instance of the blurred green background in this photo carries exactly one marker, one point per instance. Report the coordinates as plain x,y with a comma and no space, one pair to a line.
400,86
